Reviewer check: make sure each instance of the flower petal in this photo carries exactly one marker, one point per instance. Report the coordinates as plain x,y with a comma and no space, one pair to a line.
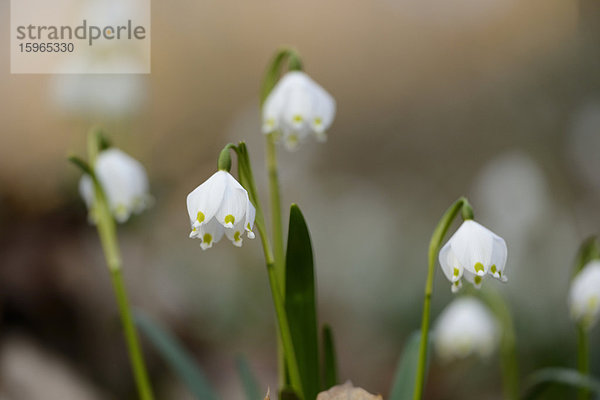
210,233
584,295
498,259
323,111
124,181
234,204
235,234
86,190
476,280
472,244
465,327
250,216
272,108
204,201
450,264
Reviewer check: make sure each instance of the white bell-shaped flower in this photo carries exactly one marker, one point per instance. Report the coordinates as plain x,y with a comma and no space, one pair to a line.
297,107
466,327
220,206
584,295
124,182
473,252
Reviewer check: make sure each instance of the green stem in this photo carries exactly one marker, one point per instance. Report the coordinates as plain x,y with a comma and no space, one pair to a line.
285,336
508,344
276,219
108,237
583,358
270,80
434,246
285,345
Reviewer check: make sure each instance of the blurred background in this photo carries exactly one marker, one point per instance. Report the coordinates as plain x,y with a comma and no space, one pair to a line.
498,100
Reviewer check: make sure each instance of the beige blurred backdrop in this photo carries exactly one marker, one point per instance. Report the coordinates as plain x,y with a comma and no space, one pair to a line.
498,100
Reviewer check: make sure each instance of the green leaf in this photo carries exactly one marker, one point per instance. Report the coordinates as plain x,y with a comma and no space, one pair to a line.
251,386
541,379
330,364
176,356
406,371
82,165
300,303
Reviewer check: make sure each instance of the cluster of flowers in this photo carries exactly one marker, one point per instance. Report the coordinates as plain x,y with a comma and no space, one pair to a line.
297,108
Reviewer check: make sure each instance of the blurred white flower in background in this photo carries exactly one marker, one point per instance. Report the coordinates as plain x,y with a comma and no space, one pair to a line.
297,107
465,327
115,92
473,252
124,181
220,206
584,295
511,191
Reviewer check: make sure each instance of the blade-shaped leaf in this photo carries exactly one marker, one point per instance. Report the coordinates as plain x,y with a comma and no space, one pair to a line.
176,356
541,379
406,371
251,386
330,359
300,302
81,164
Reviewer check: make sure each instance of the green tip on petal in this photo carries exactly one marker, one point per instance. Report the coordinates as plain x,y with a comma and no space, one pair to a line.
229,219
479,267
477,280
207,238
200,217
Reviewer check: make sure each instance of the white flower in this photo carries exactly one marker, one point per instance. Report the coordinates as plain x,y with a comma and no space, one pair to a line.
296,107
472,252
584,295
220,206
124,181
464,328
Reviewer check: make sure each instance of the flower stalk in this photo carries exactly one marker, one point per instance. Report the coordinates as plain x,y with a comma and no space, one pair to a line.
278,268
270,80
107,231
288,354
461,205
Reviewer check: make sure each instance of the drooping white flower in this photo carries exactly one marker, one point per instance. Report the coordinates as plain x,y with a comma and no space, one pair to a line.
220,206
464,328
584,295
472,252
124,181
297,107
